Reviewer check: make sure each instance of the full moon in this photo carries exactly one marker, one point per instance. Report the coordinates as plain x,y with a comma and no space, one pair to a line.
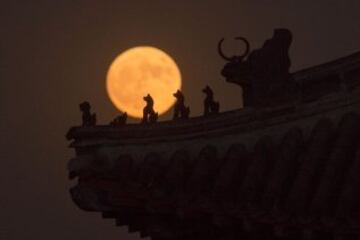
140,71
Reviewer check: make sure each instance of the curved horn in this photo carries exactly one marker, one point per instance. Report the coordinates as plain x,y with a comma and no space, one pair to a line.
221,52
247,45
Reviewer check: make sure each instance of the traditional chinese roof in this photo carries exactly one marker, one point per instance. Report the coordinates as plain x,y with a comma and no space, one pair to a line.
282,171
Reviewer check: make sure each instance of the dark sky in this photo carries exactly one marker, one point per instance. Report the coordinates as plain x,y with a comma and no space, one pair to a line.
55,54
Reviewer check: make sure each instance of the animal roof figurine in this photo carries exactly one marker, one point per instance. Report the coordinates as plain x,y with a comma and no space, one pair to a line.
88,119
210,106
149,115
180,110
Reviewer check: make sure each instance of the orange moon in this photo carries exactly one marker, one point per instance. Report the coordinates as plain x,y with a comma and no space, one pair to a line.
140,71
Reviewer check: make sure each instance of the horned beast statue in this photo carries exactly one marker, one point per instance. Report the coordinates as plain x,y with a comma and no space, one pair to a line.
235,67
235,59
264,76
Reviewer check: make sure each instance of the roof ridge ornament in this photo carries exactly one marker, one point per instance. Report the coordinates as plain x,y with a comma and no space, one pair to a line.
264,76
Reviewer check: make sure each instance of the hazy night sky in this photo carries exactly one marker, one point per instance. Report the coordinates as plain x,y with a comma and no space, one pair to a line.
55,54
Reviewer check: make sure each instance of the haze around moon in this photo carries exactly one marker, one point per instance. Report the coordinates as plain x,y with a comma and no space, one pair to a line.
140,71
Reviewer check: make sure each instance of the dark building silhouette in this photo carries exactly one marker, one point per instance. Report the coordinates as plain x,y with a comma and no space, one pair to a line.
285,170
